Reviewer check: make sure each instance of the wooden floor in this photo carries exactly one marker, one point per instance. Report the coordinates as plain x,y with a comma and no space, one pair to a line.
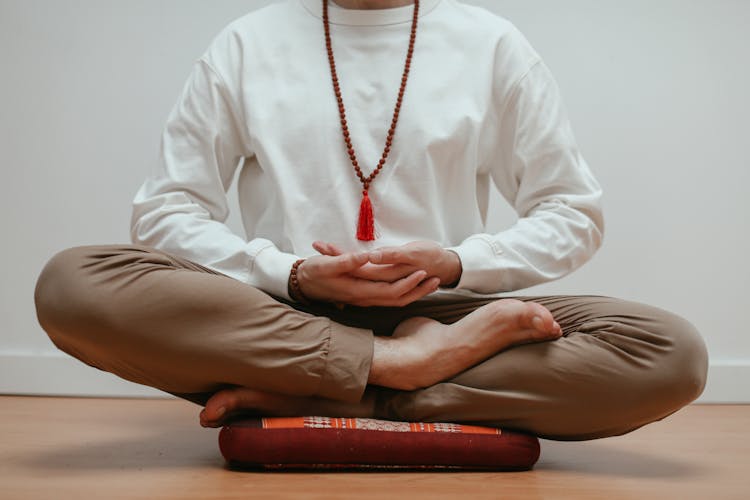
129,448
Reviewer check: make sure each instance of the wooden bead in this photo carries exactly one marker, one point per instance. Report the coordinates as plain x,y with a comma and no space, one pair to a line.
342,109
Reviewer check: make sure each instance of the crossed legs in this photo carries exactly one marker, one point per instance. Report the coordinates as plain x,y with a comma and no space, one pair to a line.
163,321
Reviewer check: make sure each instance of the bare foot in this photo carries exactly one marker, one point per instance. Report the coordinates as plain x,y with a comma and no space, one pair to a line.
239,401
423,352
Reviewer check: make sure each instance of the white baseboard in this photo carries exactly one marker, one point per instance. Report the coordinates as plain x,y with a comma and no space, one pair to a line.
728,382
56,374
60,375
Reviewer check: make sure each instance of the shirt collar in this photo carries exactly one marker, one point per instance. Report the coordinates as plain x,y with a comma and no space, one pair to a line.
369,17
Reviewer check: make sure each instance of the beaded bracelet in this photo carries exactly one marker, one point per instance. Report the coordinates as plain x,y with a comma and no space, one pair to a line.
296,291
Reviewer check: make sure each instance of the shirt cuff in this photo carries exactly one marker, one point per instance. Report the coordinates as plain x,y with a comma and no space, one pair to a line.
480,262
270,271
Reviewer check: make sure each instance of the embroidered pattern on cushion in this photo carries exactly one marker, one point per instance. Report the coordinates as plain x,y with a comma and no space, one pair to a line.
371,424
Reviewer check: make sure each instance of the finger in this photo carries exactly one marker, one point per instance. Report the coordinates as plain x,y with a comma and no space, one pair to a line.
423,289
383,293
320,247
326,248
327,266
345,263
334,249
389,273
407,284
388,299
392,255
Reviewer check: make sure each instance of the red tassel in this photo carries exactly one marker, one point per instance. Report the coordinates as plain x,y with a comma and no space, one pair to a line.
366,225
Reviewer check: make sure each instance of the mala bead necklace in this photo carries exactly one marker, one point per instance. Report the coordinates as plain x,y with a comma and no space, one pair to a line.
366,224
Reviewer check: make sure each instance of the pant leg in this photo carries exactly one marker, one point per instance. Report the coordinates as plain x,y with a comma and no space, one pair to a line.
163,321
619,366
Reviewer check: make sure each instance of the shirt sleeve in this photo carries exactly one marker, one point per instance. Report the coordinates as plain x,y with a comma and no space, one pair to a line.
182,206
540,172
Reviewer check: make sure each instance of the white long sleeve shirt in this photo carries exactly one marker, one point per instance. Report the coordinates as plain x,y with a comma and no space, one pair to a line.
480,107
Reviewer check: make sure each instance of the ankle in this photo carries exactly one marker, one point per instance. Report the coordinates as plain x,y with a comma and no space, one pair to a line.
383,364
392,365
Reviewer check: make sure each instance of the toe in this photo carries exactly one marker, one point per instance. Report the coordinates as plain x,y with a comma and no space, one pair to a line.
542,319
217,407
234,402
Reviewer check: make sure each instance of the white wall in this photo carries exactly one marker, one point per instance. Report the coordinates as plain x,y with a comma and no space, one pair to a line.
657,91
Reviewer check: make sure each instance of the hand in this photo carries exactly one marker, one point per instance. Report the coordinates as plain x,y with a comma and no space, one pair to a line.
369,271
390,262
330,278
426,255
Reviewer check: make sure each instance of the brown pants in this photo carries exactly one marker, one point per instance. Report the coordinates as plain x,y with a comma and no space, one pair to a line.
163,321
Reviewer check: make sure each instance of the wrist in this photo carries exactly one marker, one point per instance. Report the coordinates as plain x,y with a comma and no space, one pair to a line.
455,270
294,287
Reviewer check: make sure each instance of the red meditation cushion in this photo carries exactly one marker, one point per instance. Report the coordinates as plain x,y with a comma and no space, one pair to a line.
336,443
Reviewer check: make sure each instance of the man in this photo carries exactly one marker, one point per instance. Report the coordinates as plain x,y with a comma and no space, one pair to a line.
371,289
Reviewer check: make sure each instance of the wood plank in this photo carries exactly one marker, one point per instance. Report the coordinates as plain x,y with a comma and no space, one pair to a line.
138,448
